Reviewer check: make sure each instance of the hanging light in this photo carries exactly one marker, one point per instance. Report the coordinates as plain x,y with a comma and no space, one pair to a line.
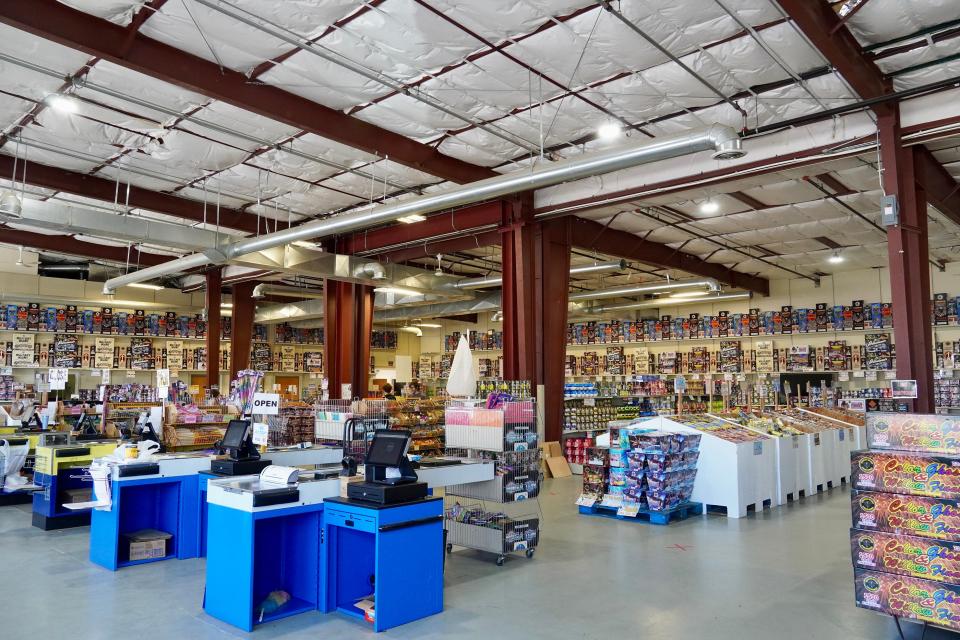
10,204
608,131
439,272
835,258
709,206
20,259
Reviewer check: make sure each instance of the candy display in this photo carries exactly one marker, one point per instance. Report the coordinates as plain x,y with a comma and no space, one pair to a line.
914,432
906,555
907,473
906,597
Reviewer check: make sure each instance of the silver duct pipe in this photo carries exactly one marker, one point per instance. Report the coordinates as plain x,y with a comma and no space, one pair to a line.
265,288
654,304
629,290
599,267
371,270
721,139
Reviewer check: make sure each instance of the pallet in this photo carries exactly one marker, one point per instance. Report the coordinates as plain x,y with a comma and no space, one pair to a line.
681,512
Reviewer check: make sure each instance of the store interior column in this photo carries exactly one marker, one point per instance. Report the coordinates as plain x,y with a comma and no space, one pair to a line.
241,333
348,329
909,267
213,300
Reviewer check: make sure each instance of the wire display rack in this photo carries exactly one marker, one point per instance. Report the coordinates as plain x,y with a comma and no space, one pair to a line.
350,423
473,527
293,425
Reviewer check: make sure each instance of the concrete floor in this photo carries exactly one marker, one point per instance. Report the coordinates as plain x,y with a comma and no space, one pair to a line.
784,574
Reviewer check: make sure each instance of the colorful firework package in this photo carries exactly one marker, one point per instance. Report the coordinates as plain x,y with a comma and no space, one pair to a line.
907,515
907,597
914,432
906,555
908,473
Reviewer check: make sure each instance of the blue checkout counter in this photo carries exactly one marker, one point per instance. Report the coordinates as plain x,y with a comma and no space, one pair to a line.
326,552
61,470
172,498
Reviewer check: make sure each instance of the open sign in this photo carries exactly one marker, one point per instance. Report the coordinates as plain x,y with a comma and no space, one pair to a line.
267,404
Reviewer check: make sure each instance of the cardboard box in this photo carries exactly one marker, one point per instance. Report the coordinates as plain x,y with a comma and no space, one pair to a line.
913,432
146,544
907,515
917,474
552,449
909,598
558,467
905,555
73,496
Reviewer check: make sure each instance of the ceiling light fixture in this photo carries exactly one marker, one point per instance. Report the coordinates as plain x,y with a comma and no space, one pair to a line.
835,258
428,325
226,305
144,285
414,330
412,218
10,203
398,290
20,259
439,272
608,131
709,206
62,104
688,294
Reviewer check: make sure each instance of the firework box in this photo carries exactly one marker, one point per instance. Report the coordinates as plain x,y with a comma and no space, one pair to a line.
906,472
910,598
905,555
914,432
906,515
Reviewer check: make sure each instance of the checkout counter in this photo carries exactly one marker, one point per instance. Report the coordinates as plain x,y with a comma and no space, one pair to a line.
376,554
61,471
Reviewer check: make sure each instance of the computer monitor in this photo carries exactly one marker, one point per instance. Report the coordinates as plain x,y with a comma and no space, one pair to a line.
388,448
236,435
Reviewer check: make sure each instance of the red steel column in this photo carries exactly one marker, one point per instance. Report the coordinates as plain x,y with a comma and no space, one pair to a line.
554,240
241,336
909,269
213,300
348,325
517,295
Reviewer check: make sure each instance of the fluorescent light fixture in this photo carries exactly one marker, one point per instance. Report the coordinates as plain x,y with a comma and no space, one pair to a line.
144,285
62,104
226,305
429,325
836,258
608,131
688,294
414,330
413,217
398,290
709,206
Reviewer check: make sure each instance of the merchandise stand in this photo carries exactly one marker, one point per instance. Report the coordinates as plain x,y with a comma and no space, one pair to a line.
166,500
820,463
731,475
792,458
508,436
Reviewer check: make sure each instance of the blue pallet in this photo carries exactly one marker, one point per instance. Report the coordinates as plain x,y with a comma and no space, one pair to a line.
681,512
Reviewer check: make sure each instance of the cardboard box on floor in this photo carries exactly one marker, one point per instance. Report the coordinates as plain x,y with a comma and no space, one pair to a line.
554,464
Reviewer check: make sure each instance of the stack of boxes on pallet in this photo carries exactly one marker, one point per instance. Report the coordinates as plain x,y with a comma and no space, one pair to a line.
906,517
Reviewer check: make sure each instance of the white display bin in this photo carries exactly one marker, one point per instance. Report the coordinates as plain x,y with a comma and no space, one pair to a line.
793,471
729,474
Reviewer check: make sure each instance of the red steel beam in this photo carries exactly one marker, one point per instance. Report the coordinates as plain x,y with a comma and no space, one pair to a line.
748,200
42,175
823,27
80,248
943,192
591,235
241,329
78,30
838,187
459,221
443,247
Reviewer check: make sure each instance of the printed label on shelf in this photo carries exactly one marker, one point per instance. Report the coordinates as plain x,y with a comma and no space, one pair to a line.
131,373
95,373
629,509
758,448
589,402
58,378
843,376
858,374
266,404
889,375
586,501
870,375
162,393
842,436
816,439
261,433
103,393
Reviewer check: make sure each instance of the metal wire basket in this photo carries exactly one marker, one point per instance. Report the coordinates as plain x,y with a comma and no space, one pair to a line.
472,527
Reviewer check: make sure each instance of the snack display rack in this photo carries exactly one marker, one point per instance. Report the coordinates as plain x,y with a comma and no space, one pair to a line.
507,434
293,425
424,418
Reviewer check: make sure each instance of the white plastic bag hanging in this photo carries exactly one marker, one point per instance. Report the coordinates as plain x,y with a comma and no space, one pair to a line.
462,381
12,458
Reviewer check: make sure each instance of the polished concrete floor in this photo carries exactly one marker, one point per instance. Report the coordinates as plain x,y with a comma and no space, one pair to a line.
784,573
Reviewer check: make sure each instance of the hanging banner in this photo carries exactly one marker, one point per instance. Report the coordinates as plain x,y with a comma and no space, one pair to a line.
23,347
104,357
175,355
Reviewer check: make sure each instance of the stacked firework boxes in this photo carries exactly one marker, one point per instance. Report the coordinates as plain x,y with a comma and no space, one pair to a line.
906,517
653,469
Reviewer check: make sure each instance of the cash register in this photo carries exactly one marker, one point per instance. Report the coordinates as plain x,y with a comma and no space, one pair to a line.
238,444
389,477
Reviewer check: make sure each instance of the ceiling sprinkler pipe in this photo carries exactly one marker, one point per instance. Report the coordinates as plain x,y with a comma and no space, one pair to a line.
717,138
620,292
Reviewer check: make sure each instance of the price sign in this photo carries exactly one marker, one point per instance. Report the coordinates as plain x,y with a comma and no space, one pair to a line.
628,509
105,376
58,378
870,375
586,501
104,353
131,374
589,402
261,433
163,378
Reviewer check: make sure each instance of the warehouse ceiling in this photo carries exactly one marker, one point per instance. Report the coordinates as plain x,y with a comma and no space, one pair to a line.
502,85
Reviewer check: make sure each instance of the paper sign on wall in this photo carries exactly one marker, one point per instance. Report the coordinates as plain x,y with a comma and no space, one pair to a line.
266,404
23,350
104,357
287,358
175,355
131,373
163,377
105,376
58,378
